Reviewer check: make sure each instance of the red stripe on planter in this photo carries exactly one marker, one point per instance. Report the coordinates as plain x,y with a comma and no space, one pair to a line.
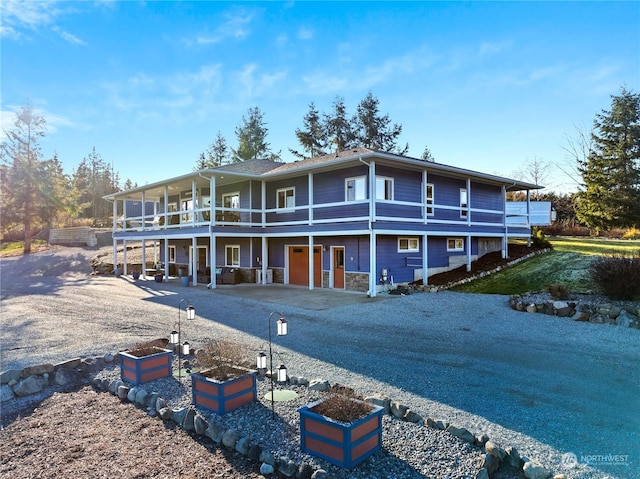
365,428
151,375
238,386
325,449
239,401
364,447
208,387
207,402
325,430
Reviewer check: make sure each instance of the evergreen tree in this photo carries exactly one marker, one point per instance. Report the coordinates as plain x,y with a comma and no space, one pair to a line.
338,129
313,138
426,155
611,172
217,154
22,172
93,179
252,139
375,131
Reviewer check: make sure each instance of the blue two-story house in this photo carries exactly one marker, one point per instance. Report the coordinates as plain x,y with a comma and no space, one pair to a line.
356,220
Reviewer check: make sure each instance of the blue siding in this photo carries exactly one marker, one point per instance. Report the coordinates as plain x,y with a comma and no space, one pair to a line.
329,187
487,197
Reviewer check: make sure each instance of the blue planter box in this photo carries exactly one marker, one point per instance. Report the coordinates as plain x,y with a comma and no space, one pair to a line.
342,444
223,396
138,370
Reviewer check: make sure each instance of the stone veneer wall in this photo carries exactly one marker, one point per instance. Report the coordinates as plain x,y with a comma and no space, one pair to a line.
356,282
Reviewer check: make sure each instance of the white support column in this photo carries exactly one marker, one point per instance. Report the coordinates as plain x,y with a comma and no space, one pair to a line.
194,205
144,213
373,266
265,255
212,206
425,259
372,190
311,257
468,202
166,259
425,180
115,218
212,260
468,252
166,206
263,201
194,260
310,188
115,253
505,237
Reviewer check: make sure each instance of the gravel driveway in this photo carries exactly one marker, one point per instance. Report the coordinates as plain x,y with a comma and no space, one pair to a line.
548,386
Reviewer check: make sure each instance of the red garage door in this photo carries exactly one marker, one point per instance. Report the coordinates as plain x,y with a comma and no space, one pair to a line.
299,266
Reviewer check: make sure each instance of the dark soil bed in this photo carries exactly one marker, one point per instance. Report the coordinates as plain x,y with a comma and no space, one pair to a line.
486,263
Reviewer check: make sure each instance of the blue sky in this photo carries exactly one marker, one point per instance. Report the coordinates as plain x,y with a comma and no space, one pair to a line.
487,86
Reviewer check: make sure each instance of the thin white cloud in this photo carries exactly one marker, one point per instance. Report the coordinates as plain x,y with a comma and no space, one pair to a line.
256,83
20,17
69,37
53,121
234,25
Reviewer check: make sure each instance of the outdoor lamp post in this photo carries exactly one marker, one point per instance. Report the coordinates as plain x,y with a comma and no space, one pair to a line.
175,337
261,358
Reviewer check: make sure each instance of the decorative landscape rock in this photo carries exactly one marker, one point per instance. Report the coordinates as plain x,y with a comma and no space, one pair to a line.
533,470
490,463
230,438
493,448
461,433
30,385
319,385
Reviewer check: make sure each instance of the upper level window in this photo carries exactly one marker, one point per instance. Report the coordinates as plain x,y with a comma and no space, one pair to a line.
384,188
429,199
406,245
463,203
455,244
356,188
231,200
286,198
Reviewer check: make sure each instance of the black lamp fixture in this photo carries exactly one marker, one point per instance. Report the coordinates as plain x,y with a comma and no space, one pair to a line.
261,358
175,337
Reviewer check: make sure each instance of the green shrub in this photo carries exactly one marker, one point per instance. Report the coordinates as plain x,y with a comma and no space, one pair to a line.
617,275
539,240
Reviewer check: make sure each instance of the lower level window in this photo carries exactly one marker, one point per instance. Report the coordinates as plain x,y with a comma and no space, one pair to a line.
455,244
232,255
172,254
408,244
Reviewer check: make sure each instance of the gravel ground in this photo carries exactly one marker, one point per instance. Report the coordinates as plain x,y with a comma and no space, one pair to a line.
547,386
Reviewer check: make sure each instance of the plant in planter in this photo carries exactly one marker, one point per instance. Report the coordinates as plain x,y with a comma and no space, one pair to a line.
343,429
145,362
135,274
223,382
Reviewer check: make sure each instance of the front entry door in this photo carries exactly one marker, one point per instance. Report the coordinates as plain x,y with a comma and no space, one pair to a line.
338,267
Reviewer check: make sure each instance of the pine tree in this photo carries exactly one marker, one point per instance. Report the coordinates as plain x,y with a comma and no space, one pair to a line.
252,139
611,172
426,155
375,131
217,154
313,138
338,129
21,157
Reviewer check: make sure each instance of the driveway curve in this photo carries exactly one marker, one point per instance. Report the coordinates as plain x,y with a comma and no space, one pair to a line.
546,385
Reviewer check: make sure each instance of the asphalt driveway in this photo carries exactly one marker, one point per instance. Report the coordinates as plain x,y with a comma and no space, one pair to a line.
547,384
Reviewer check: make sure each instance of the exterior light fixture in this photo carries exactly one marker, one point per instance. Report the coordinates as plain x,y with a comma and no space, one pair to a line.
281,328
175,337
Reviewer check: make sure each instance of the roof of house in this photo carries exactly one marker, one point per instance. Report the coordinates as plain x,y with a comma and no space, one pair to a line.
266,169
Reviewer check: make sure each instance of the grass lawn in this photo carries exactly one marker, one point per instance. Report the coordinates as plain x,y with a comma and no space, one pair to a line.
568,265
15,248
